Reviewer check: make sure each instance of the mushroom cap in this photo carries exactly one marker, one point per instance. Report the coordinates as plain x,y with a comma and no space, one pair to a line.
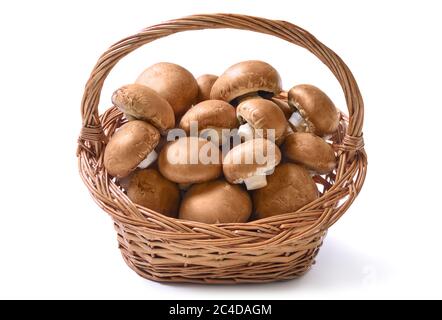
181,161
216,202
310,151
141,102
173,82
150,189
210,114
253,157
288,189
246,77
129,146
316,108
205,84
284,106
263,114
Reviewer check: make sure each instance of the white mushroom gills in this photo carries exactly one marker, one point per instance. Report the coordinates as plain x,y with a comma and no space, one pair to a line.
255,182
150,158
246,131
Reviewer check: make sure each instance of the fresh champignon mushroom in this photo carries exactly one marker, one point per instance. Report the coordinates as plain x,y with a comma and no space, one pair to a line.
130,147
313,110
205,84
216,202
173,82
288,189
245,78
190,160
150,189
141,102
310,151
250,162
258,113
211,117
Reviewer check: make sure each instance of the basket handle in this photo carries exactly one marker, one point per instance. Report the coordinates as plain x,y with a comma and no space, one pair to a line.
92,137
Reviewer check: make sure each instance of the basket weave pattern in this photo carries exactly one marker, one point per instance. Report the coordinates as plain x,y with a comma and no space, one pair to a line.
276,248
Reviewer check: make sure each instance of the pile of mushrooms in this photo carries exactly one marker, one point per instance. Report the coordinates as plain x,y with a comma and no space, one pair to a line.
220,149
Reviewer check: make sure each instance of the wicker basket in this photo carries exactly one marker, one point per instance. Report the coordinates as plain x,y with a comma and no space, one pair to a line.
276,248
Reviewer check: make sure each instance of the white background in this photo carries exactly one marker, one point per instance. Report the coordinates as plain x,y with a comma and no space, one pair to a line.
56,243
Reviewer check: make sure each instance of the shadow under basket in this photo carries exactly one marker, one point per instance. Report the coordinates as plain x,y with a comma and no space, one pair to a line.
171,250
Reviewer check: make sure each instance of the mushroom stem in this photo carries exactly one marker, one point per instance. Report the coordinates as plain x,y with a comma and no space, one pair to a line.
296,119
255,182
246,131
150,158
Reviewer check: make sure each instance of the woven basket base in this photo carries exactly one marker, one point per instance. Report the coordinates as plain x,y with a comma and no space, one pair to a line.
229,269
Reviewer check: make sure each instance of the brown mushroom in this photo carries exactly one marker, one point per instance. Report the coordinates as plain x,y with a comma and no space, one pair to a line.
216,202
261,114
173,82
244,78
190,160
130,147
310,151
140,102
205,84
313,110
210,117
150,189
250,162
288,189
